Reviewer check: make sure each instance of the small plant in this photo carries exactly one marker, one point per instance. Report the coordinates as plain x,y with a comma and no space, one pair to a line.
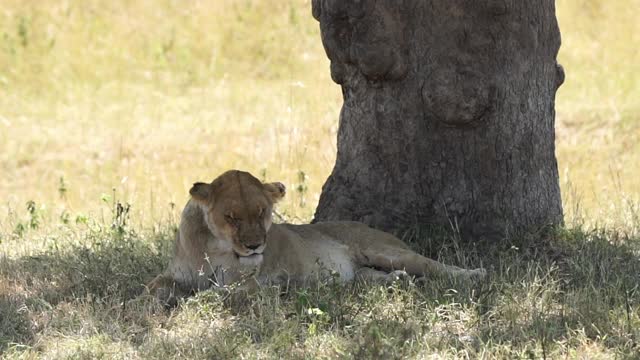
23,32
120,217
302,188
317,319
32,223
65,217
120,212
62,188
34,215
81,219
19,229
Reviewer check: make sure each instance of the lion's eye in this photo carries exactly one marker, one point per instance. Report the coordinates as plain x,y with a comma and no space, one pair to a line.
230,219
260,212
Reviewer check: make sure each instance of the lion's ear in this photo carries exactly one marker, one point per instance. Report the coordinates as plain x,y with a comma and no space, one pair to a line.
275,191
201,191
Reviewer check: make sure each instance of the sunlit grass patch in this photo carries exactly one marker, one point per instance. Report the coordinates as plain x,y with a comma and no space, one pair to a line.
104,99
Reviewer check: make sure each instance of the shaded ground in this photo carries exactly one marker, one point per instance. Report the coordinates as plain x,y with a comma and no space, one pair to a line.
573,293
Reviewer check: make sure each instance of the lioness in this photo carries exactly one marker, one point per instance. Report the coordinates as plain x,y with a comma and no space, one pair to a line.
226,236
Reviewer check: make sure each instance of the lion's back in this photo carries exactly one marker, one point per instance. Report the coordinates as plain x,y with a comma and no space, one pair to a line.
356,234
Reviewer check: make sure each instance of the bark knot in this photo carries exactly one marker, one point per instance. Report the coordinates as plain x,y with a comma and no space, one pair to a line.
559,75
458,97
363,36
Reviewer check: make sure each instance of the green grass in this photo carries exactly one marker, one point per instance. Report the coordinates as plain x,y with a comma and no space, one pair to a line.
129,102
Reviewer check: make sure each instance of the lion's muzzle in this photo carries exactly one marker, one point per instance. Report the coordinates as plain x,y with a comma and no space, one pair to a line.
251,260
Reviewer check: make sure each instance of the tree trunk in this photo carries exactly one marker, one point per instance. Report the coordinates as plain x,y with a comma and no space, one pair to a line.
448,114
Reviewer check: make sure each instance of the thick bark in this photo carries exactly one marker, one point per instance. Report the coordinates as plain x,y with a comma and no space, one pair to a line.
448,113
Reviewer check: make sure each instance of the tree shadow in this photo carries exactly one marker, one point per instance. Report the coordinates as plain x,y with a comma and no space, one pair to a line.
552,284
587,280
15,326
113,269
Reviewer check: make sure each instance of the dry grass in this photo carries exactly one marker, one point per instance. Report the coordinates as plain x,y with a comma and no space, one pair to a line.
132,101
149,104
103,98
598,112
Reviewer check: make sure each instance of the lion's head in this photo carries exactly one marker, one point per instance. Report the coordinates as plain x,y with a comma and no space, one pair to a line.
238,209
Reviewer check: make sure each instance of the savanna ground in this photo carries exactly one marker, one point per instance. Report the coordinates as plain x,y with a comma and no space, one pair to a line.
110,110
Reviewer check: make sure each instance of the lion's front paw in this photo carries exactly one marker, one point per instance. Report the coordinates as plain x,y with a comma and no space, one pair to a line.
165,290
166,297
397,275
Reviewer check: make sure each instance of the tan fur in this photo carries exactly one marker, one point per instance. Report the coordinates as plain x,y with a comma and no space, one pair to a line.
226,236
